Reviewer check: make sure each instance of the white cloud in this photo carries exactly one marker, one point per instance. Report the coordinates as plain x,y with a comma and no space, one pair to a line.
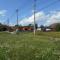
28,20
53,18
47,19
3,12
3,16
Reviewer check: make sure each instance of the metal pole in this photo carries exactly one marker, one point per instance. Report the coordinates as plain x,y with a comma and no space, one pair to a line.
8,22
34,16
17,21
17,16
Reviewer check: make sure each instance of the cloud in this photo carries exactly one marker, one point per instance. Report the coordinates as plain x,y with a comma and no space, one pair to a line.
3,12
53,18
42,18
28,20
3,16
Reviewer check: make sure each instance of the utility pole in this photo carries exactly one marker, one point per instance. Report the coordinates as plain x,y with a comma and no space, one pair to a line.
34,16
17,30
17,15
8,24
8,21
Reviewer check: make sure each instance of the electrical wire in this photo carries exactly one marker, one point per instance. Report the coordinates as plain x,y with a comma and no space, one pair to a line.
45,7
56,1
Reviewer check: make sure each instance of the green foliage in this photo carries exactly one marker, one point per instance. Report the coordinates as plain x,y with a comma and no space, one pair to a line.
3,27
16,25
42,28
58,27
31,25
36,26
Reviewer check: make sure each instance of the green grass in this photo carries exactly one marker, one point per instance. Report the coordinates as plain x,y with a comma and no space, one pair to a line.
24,46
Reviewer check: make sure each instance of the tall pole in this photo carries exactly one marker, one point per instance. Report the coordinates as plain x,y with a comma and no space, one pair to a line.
34,16
17,16
8,21
8,24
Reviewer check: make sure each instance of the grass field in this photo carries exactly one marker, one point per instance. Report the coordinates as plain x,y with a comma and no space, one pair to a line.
24,46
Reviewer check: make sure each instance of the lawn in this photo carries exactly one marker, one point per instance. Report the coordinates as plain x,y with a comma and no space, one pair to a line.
24,46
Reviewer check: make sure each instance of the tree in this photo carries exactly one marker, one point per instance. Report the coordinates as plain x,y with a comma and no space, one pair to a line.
20,25
16,25
42,28
36,26
0,24
30,25
57,28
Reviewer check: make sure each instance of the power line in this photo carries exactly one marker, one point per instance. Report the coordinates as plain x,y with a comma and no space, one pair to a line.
40,10
12,14
15,13
34,9
49,4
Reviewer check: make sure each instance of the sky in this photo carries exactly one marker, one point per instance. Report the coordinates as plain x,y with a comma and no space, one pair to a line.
47,12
